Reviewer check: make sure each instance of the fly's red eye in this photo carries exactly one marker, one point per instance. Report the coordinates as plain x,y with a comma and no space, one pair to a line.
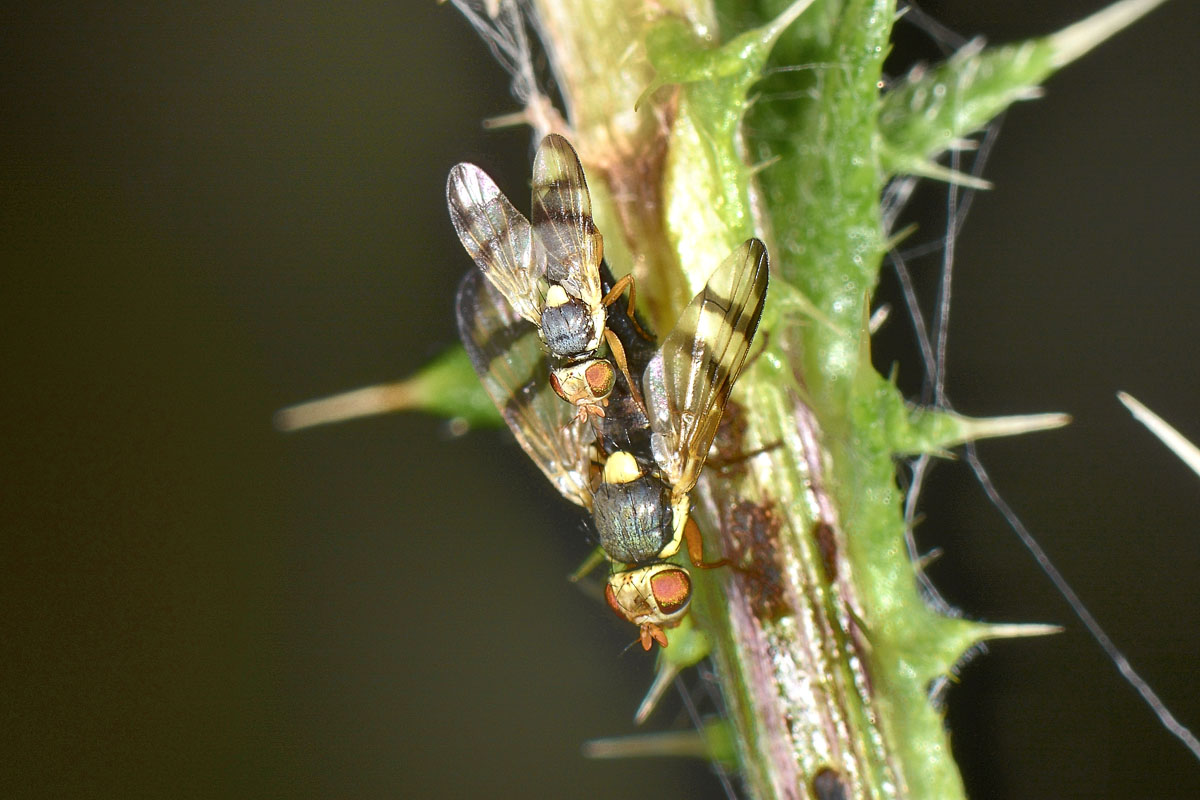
610,597
601,378
672,590
556,385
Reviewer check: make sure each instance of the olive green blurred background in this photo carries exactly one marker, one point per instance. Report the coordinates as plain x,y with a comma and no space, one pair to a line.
211,213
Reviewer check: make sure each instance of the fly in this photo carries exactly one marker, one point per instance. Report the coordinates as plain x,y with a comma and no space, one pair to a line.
641,506
547,271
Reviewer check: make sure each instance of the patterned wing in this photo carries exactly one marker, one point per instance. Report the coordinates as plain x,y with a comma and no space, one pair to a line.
562,220
498,238
688,381
508,357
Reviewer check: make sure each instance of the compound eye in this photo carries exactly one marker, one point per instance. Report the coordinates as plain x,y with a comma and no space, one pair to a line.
600,379
672,588
610,597
556,385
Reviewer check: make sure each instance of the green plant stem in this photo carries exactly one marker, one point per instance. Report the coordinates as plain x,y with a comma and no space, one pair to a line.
826,650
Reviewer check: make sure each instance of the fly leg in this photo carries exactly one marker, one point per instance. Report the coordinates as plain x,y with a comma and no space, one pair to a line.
615,292
618,354
695,547
728,464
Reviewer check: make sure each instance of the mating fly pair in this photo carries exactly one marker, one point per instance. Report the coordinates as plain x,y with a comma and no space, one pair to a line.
532,318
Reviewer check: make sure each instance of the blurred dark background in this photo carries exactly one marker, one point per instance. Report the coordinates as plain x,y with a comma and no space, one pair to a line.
208,214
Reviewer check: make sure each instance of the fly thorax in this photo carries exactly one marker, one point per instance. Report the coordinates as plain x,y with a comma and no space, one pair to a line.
586,382
633,512
566,325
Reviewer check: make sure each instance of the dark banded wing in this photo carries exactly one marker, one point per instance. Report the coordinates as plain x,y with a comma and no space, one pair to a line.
508,357
688,382
498,238
562,220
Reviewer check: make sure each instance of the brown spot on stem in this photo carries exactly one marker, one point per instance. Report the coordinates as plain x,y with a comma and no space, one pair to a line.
826,539
752,537
828,784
